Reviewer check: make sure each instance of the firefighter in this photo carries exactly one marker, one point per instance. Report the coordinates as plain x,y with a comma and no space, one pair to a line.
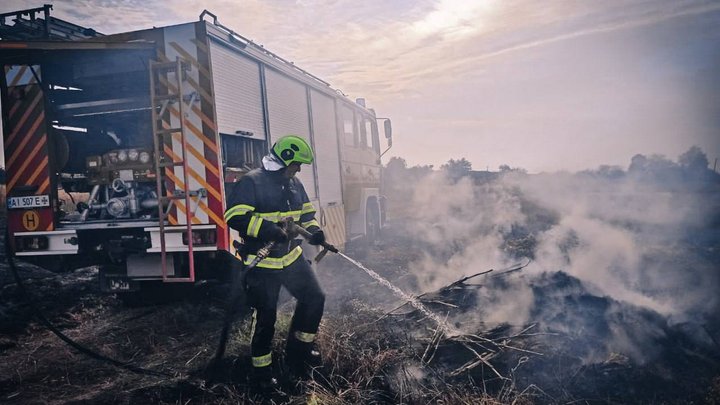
260,204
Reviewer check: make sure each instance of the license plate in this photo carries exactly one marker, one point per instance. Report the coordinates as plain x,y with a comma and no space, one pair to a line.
111,283
32,201
115,284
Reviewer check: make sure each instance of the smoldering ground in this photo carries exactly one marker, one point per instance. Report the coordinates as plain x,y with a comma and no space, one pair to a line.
617,300
623,270
632,241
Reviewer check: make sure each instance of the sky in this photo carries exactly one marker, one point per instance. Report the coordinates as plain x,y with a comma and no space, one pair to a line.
544,86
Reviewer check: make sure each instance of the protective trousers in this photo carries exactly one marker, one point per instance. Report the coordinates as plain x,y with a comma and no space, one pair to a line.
263,288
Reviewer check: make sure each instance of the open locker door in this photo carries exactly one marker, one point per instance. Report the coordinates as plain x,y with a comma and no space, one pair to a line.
59,112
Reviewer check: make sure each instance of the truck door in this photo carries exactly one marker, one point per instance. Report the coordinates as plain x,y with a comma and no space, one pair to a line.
332,210
59,101
26,150
288,114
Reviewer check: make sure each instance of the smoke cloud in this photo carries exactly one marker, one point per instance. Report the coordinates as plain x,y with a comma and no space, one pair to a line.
635,242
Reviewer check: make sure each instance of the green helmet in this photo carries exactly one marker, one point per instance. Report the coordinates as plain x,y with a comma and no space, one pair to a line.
292,149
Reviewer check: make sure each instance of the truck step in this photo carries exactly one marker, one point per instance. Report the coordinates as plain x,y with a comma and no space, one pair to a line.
166,97
169,198
167,131
165,66
178,280
171,164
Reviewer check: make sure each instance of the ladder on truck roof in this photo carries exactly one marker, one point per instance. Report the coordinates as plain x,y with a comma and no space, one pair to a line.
166,84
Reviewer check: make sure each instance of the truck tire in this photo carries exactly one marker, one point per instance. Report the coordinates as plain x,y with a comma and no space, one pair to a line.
155,293
55,264
364,245
372,221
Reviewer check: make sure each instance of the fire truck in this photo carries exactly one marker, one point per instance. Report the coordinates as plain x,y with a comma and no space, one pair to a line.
119,148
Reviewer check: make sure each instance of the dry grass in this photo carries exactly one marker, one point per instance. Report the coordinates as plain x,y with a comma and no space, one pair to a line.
713,396
370,357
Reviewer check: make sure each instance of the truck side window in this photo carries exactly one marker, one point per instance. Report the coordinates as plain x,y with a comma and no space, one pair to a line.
371,141
241,152
348,126
363,133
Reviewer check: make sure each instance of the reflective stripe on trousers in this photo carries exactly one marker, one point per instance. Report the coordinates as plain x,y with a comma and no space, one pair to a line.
262,361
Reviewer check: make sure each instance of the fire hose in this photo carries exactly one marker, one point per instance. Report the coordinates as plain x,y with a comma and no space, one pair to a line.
262,253
238,288
294,229
46,322
236,294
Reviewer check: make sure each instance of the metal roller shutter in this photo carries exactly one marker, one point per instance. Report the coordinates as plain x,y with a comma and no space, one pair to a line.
288,114
326,148
238,97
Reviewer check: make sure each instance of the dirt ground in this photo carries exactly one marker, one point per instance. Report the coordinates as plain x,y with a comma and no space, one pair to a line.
370,356
177,338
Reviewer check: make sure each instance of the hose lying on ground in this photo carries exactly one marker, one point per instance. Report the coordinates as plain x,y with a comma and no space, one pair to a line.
75,345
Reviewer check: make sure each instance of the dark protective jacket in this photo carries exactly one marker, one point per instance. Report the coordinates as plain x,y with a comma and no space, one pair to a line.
257,203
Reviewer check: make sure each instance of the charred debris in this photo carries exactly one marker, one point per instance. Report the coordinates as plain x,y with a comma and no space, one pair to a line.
560,357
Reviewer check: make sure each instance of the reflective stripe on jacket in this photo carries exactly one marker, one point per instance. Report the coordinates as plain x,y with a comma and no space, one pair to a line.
258,202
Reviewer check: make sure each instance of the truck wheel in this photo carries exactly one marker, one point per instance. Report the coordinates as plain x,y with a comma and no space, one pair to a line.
154,293
55,264
372,221
133,299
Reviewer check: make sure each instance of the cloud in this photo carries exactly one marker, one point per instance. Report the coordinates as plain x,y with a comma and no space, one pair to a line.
454,19
601,28
387,46
514,67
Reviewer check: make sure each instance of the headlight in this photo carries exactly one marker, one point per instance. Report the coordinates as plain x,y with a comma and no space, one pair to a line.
144,157
133,154
122,156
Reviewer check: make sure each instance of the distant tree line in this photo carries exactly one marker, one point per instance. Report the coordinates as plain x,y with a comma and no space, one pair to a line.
456,169
397,171
691,166
398,177
397,168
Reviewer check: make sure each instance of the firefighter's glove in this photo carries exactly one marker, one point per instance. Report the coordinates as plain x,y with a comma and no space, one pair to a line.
290,227
317,238
277,234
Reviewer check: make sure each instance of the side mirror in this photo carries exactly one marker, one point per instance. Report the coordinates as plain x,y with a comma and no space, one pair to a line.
388,129
387,126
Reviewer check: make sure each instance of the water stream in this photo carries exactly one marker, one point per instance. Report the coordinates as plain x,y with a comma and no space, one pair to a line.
447,329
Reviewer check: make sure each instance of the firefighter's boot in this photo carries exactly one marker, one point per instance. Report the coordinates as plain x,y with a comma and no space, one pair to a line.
262,381
301,358
313,358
